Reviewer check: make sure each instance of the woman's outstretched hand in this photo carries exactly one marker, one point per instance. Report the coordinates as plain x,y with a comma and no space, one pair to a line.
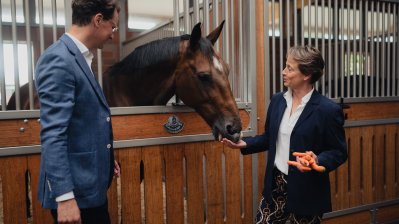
306,162
240,144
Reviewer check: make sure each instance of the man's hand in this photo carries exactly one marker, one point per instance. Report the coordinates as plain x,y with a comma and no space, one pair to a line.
306,162
240,144
68,212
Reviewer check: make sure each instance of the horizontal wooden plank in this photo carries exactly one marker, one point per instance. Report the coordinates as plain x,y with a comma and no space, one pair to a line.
126,127
372,110
152,125
388,214
363,217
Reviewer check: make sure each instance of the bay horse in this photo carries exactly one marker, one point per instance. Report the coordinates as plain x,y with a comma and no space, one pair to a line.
186,66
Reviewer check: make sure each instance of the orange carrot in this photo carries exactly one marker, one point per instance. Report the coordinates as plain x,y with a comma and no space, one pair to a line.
302,157
299,166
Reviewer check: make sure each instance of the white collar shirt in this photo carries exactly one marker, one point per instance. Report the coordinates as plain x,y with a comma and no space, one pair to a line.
286,126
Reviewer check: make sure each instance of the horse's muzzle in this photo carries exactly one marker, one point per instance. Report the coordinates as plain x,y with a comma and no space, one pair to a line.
229,131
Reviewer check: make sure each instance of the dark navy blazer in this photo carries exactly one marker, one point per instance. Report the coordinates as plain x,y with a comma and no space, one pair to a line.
76,131
318,129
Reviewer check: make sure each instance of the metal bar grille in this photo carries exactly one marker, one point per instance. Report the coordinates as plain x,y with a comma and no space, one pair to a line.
357,38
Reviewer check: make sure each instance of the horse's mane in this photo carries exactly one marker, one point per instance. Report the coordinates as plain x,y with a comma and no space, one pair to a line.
153,53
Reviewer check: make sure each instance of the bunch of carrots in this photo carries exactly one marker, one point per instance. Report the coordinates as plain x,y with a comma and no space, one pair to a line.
306,162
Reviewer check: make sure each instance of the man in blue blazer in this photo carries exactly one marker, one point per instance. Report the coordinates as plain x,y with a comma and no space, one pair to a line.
77,160
304,129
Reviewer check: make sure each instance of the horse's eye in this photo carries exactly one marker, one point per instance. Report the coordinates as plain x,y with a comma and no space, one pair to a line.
205,77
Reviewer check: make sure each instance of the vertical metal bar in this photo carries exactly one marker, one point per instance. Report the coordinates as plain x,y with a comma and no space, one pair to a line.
176,30
397,45
302,23
41,26
274,46
330,35
226,31
395,76
15,53
100,67
355,55
361,55
316,39
2,76
215,10
243,77
288,24
30,55
336,37
383,42
195,11
232,47
342,49
348,51
266,53
316,18
187,16
54,15
123,26
206,16
68,14
176,17
323,31
281,43
389,33
252,70
309,23
366,50
295,23
372,71
378,51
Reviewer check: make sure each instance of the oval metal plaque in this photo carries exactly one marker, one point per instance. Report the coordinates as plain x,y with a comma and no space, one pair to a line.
174,125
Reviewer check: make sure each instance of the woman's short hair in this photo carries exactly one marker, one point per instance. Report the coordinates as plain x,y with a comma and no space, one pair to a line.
310,61
84,10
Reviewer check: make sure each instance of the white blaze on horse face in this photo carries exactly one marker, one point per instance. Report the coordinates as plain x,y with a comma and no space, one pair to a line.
217,64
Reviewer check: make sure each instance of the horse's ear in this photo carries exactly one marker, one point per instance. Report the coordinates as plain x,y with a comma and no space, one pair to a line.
195,36
214,35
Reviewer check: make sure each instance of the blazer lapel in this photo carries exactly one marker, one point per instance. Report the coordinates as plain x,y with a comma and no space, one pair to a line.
85,68
309,108
281,106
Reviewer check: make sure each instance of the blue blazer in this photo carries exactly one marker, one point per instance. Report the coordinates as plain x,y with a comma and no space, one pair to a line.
76,132
318,129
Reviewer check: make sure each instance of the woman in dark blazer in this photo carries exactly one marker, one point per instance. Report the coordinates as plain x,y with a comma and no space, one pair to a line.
305,128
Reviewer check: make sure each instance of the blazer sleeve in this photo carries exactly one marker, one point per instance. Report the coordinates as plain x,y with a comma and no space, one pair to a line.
56,89
335,152
260,143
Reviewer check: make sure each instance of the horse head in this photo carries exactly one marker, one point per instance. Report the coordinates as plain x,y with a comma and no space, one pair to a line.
202,83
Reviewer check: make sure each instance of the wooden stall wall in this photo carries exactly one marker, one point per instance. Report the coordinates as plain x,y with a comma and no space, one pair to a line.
371,174
187,182
204,181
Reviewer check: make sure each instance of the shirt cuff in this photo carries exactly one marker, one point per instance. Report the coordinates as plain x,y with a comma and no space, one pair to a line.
65,197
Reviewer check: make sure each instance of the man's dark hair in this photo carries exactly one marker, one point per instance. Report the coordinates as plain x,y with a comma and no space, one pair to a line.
84,10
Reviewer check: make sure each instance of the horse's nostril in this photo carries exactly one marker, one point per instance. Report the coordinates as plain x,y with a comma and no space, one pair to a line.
231,130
